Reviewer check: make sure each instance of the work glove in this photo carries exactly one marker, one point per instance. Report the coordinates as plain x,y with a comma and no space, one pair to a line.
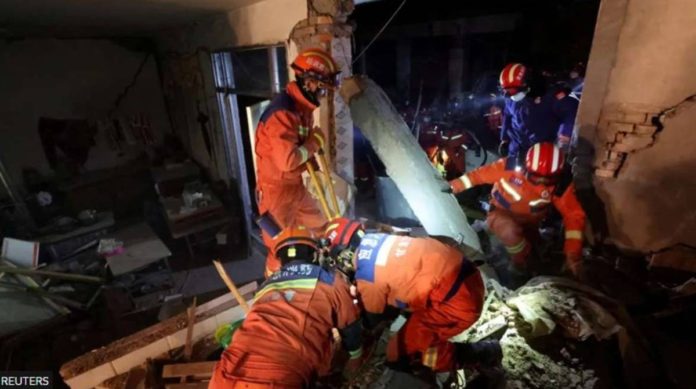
457,185
486,353
315,141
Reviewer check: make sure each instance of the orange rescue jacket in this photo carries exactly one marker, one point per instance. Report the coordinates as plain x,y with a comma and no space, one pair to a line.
401,270
513,192
291,321
280,135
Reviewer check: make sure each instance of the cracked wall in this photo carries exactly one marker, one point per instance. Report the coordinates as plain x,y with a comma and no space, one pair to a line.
636,124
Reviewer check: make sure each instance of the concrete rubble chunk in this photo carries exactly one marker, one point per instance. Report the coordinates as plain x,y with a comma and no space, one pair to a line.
534,310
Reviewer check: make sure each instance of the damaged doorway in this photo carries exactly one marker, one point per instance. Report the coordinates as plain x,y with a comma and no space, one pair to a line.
245,81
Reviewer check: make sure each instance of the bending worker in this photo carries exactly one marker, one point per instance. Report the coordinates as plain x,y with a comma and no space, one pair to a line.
286,339
285,141
434,281
520,200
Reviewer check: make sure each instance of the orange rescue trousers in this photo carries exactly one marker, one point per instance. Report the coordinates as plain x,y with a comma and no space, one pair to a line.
516,232
239,370
427,331
290,205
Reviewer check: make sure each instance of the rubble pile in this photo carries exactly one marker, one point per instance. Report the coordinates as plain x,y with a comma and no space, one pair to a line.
515,318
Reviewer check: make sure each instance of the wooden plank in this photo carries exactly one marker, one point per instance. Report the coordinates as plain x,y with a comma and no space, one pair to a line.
188,385
28,281
188,346
230,285
52,274
126,353
204,369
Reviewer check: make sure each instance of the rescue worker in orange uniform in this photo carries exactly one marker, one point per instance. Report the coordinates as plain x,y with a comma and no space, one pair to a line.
521,198
442,289
286,339
285,141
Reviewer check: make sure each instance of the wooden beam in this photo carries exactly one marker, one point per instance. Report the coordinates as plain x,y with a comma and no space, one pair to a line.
191,317
52,274
230,285
203,369
188,385
30,282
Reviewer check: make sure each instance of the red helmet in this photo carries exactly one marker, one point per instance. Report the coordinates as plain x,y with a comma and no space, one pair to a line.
317,64
340,232
294,236
544,160
513,78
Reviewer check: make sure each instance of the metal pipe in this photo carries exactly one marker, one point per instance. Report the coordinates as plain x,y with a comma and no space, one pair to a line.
273,69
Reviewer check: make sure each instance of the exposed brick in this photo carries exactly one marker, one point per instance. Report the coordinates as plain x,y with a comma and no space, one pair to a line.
642,129
304,32
634,117
613,155
621,127
324,20
611,116
605,173
633,142
612,165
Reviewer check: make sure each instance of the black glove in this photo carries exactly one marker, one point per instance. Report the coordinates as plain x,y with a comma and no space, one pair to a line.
485,353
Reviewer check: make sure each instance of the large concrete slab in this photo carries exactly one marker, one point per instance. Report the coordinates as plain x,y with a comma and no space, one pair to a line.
407,164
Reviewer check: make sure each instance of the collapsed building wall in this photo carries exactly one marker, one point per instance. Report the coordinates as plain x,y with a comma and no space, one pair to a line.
635,132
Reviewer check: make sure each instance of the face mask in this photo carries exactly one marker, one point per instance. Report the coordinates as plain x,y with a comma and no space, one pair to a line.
312,97
518,96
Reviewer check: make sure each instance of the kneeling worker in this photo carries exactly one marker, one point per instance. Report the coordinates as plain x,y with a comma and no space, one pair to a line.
443,291
286,339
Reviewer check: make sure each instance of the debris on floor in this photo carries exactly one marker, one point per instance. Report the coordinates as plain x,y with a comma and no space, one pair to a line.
163,343
543,308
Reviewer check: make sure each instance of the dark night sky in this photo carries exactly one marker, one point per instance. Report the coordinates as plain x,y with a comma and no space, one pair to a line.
550,34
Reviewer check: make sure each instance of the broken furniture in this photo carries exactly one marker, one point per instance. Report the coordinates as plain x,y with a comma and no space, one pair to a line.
59,246
199,371
187,225
29,296
110,366
189,206
141,248
21,252
142,266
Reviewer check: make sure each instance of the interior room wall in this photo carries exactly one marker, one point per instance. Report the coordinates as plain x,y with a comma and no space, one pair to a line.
73,79
264,23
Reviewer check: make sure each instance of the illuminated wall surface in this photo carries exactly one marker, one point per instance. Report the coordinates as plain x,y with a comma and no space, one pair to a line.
642,65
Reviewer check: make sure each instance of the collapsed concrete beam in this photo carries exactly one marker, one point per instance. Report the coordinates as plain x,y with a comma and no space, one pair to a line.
407,164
